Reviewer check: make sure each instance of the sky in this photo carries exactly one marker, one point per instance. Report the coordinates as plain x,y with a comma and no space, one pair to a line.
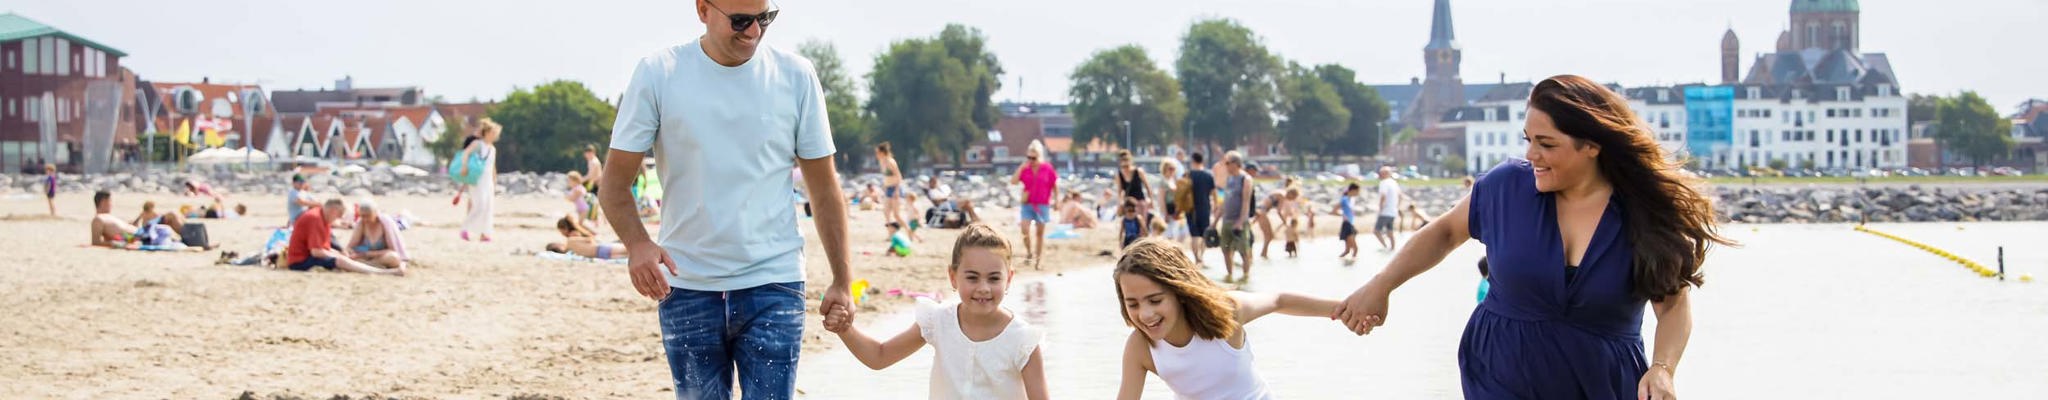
464,49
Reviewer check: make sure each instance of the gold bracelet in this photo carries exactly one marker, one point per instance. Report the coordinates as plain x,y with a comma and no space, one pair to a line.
1667,366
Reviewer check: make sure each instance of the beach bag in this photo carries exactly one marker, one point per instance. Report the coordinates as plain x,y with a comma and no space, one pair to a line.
1212,239
194,234
476,165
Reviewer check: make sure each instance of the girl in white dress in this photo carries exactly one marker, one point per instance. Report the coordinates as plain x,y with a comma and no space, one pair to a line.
1189,331
981,350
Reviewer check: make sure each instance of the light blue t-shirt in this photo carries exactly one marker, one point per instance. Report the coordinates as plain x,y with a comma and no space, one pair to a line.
292,208
1345,203
725,140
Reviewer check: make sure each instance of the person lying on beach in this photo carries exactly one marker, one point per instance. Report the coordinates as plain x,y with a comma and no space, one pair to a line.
196,188
580,241
111,232
149,216
1073,213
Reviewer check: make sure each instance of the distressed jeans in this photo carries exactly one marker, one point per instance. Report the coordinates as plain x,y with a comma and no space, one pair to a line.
756,332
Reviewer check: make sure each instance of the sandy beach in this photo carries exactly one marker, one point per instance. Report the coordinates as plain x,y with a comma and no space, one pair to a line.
473,320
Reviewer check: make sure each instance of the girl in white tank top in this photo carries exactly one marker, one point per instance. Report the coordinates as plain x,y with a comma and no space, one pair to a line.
980,350
1188,330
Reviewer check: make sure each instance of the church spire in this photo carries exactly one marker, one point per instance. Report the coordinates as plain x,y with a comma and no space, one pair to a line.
1440,32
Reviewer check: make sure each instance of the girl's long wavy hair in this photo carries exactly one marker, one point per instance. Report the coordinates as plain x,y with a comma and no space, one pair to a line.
1207,308
1666,215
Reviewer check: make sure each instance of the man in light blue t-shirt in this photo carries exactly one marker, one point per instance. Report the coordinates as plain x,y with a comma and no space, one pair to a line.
727,124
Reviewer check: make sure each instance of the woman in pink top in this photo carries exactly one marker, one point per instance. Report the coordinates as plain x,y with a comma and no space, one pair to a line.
1039,184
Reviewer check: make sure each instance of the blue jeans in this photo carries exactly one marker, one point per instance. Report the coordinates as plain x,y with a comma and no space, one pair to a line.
758,330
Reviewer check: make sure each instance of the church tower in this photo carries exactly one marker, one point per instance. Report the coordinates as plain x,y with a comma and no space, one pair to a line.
1731,64
1826,25
1442,88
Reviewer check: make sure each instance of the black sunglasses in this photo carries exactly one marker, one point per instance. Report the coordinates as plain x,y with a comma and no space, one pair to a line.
740,22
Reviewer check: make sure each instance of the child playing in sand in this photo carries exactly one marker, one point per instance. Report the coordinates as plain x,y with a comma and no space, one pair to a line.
1347,231
1189,331
980,349
579,198
50,187
899,245
1134,226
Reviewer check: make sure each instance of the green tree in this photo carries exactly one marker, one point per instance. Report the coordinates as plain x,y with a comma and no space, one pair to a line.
1228,78
1362,137
842,106
1968,125
547,126
1122,84
1315,115
931,95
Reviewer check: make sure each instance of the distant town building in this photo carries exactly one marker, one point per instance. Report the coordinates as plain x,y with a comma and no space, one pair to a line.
62,98
239,114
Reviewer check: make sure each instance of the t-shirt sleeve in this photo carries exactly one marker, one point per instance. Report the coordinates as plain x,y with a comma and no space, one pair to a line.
639,118
318,236
813,127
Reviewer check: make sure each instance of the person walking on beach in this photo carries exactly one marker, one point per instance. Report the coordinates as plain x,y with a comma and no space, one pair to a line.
1595,223
1202,187
892,183
50,187
1234,220
1040,183
1389,192
481,194
728,118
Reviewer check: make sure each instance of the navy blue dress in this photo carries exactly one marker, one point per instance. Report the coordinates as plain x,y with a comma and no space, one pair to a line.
1542,334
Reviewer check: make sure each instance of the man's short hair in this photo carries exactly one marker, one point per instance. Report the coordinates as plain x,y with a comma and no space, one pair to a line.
1197,157
100,197
336,203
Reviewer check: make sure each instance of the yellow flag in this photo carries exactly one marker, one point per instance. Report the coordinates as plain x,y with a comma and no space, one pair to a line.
184,136
214,139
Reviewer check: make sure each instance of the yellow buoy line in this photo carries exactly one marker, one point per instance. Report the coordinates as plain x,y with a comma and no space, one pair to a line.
1966,263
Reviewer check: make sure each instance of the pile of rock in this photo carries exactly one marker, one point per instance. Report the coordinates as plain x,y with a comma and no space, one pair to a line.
375,181
1881,204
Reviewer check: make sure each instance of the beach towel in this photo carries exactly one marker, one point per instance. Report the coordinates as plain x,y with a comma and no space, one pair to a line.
573,257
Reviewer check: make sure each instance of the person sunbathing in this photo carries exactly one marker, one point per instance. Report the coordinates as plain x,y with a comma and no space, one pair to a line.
377,242
582,242
111,232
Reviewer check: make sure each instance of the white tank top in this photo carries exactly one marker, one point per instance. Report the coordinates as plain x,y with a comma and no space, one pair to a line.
1209,369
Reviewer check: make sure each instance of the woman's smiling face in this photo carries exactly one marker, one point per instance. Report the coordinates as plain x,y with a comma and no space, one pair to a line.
1559,159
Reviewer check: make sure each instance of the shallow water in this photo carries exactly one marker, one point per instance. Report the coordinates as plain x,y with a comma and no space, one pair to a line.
1801,311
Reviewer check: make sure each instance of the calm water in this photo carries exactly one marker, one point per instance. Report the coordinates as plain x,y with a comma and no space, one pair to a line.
1802,311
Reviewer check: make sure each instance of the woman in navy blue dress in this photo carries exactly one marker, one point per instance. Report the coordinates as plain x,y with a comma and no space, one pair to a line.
1595,223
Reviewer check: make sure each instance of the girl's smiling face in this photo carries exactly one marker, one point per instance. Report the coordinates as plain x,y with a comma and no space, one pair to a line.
1150,307
1560,161
981,278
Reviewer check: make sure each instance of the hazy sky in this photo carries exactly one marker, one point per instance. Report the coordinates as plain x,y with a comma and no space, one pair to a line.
465,48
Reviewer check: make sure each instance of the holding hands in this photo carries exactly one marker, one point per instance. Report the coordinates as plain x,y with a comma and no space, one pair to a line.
838,318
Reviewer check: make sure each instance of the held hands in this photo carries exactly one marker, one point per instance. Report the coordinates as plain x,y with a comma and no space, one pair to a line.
837,300
1364,309
838,319
644,263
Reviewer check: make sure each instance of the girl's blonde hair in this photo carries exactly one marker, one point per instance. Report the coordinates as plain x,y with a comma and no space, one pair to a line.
980,236
1168,165
1208,309
575,176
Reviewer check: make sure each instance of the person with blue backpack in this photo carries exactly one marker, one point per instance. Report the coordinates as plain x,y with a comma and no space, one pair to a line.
477,167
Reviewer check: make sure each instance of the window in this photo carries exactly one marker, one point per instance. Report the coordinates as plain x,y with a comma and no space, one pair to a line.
1756,93
1663,96
10,60
1767,113
1831,135
63,57
1842,93
1859,136
1831,113
31,56
1884,90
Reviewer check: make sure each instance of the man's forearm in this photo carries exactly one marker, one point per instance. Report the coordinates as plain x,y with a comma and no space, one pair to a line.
616,199
831,224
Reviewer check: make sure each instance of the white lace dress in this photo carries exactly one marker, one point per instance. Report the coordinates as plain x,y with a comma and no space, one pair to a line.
966,369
